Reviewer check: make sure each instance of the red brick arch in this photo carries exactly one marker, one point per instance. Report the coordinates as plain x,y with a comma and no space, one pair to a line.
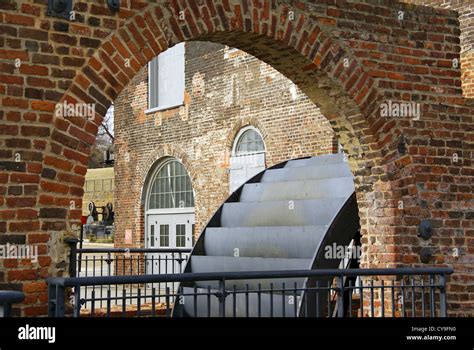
310,43
283,36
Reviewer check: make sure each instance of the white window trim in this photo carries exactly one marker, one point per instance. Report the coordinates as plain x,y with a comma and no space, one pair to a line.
148,212
149,187
239,135
163,108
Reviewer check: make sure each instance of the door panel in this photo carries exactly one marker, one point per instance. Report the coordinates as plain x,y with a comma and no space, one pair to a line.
244,167
168,231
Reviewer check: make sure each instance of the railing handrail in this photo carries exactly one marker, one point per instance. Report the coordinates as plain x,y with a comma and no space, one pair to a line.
7,299
133,250
11,297
241,275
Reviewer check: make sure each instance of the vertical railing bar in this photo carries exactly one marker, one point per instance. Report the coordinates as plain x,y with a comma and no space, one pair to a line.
328,291
139,302
152,257
247,300
115,272
423,306
382,296
87,264
195,300
159,272
153,302
350,298
173,285
413,303
372,306
131,273
340,295
402,287
101,260
180,292
283,299
222,297
138,273
124,302
109,269
234,300
295,301
259,300
271,299
392,287
77,301
108,303
361,297
208,301
442,296
167,300
166,268
93,304
305,300
432,296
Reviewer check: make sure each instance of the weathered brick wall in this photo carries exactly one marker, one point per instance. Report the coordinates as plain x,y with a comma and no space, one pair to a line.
225,90
349,57
465,10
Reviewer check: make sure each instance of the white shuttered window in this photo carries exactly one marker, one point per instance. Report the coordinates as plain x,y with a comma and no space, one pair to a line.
166,79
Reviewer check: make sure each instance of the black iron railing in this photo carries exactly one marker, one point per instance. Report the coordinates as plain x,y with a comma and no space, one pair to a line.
94,262
103,262
7,299
358,293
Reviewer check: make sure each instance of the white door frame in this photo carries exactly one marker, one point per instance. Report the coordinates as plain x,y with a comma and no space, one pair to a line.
247,166
185,212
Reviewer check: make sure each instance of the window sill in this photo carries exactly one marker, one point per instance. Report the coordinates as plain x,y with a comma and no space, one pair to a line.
163,108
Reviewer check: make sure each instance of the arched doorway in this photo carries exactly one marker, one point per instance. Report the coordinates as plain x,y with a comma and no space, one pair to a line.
248,157
169,213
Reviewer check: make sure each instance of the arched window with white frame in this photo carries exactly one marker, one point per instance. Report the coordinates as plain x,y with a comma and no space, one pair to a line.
169,212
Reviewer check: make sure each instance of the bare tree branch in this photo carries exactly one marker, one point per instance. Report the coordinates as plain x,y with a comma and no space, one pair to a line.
108,132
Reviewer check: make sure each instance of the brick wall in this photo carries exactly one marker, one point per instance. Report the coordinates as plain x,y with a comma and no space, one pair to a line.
349,57
465,11
225,90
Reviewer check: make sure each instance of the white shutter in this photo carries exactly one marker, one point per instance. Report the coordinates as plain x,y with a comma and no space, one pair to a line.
153,83
166,79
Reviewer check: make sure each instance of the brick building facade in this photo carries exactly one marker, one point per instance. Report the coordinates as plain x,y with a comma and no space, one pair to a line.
225,90
350,56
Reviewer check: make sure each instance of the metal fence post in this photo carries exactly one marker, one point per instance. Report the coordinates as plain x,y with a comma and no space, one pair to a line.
51,300
222,295
56,300
7,298
442,295
72,242
340,296
77,301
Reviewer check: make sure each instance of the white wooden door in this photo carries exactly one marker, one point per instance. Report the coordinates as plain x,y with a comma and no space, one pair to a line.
244,167
168,231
